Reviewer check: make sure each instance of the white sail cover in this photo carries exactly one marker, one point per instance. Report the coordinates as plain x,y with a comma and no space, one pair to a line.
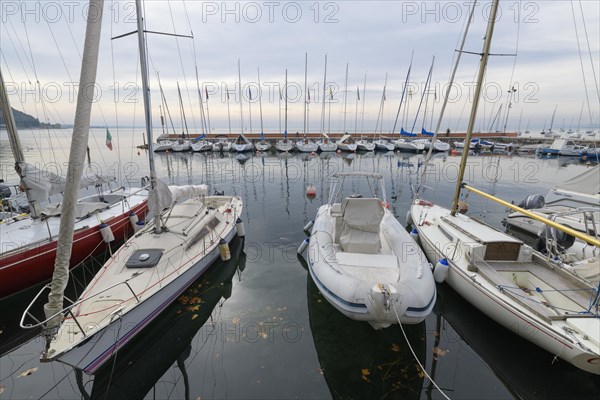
588,182
163,196
43,183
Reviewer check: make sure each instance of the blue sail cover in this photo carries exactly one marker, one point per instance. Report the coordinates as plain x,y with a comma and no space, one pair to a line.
404,133
285,135
424,132
262,136
199,137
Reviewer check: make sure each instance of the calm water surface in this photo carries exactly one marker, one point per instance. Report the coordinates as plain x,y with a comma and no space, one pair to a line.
257,328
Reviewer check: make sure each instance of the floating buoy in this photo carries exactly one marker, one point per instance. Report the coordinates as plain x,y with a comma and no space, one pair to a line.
311,191
224,251
308,227
414,234
339,151
314,153
139,225
440,272
133,219
303,246
453,152
463,207
106,233
239,227
409,218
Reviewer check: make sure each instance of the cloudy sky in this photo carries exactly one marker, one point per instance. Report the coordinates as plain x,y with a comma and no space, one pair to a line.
43,41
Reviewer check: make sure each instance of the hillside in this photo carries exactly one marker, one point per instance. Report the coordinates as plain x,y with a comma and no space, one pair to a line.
27,121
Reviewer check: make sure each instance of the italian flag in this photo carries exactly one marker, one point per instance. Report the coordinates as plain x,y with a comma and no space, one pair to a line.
108,140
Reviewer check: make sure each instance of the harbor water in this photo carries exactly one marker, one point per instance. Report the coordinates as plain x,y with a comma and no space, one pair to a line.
256,327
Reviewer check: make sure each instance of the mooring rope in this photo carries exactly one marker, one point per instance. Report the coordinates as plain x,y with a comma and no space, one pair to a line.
417,359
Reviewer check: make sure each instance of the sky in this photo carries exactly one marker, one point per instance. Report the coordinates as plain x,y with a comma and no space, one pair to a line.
556,66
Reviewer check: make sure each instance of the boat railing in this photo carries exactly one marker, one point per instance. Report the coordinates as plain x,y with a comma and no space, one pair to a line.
68,309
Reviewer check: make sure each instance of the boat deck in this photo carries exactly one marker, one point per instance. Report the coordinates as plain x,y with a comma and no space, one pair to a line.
557,281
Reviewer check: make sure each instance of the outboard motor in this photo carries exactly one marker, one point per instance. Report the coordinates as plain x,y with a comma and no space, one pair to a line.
5,191
560,240
532,202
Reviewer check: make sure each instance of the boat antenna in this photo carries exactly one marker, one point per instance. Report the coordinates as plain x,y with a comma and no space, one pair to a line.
482,66
446,96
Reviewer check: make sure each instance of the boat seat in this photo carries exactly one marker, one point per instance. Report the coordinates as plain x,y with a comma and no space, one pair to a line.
360,225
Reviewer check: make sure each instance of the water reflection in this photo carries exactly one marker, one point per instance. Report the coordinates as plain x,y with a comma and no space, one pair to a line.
362,363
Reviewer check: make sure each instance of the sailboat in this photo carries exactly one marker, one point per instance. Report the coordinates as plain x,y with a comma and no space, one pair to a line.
222,143
383,144
262,145
284,144
363,260
306,145
29,240
503,277
242,144
180,241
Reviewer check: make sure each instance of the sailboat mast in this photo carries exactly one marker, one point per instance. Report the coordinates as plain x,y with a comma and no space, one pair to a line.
482,66
285,93
446,96
87,79
362,118
324,94
147,112
345,99
356,113
228,108
240,91
207,113
262,132
15,145
305,88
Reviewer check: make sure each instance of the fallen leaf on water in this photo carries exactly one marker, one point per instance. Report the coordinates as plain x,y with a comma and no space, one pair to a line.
28,372
194,316
365,371
264,335
2,387
235,321
439,352
320,370
420,371
395,348
193,308
195,300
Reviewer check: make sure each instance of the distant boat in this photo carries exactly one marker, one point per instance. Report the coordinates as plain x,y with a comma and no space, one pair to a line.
562,147
242,144
346,143
222,144
284,144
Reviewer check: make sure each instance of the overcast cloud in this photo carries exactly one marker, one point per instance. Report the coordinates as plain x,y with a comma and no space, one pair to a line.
42,41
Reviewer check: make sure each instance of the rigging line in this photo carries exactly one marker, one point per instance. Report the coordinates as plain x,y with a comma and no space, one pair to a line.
512,72
589,50
187,90
114,78
37,88
587,97
417,358
16,52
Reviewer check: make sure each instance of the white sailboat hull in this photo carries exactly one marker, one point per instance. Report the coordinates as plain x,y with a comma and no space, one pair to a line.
363,145
121,300
403,145
384,145
491,291
284,145
306,146
327,146
262,146
202,145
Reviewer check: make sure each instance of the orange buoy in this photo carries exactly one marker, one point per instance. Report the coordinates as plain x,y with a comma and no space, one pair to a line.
311,191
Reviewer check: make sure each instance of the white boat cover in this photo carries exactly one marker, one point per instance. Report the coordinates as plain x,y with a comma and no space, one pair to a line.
360,226
44,183
163,196
82,209
588,182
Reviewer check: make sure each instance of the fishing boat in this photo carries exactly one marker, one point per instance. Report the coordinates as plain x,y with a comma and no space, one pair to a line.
504,278
28,236
186,232
284,145
364,262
